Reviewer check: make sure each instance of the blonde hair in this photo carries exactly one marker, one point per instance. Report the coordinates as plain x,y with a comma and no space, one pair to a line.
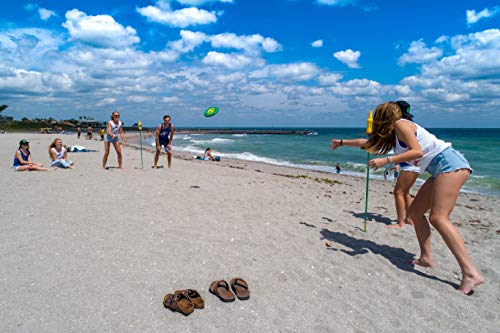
383,137
53,144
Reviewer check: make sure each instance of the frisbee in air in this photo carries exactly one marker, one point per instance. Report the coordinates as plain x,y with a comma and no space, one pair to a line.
210,112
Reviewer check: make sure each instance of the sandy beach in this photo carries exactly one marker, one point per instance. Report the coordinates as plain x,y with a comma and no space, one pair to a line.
88,250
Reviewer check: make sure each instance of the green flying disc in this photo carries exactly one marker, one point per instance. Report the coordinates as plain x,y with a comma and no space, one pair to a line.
210,112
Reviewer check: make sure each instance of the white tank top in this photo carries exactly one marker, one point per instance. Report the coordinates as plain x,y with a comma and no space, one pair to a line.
115,128
431,146
59,154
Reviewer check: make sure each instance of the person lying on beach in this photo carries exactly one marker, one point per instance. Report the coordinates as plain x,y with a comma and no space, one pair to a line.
22,159
208,155
449,170
59,155
115,129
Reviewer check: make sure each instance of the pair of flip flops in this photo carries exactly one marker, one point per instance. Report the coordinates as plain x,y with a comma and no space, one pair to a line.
184,301
220,288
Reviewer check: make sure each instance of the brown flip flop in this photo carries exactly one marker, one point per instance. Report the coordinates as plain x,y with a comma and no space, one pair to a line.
195,298
240,288
220,288
179,302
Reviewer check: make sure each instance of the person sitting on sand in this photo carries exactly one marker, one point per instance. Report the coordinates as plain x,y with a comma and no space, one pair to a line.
164,137
115,129
22,159
449,170
208,154
59,155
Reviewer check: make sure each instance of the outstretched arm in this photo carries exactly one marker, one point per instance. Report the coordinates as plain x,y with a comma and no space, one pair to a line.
352,143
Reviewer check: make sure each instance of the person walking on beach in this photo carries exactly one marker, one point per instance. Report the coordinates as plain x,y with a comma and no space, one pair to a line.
89,132
22,159
449,170
78,132
59,155
115,129
164,137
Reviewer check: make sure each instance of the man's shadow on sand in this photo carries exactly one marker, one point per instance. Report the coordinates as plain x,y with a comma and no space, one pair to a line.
396,256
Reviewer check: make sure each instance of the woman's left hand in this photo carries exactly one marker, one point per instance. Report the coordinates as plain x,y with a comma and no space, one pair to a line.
376,163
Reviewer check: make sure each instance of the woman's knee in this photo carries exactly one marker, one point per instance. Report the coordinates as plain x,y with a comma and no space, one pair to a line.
436,219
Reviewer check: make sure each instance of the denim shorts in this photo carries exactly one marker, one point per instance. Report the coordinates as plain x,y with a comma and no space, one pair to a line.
447,161
109,138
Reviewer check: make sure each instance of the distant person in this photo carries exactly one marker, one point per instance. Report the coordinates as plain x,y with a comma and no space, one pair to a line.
396,171
78,132
386,173
59,155
164,137
89,133
337,168
102,133
114,131
448,169
209,155
22,159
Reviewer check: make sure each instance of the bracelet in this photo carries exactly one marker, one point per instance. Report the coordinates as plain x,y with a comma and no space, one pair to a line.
389,159
341,142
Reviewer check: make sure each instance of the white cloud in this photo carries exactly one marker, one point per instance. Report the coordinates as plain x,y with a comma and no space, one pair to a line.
337,3
302,71
473,17
106,101
317,43
138,99
244,42
173,99
180,18
329,79
45,14
201,2
348,57
476,55
420,53
231,61
99,30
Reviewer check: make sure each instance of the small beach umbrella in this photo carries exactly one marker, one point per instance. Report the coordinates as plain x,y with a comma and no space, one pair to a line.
211,111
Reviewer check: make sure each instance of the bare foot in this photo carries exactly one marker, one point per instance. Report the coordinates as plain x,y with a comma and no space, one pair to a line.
423,262
409,221
396,226
329,244
469,282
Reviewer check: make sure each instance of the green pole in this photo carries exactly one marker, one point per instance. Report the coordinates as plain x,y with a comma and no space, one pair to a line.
367,183
140,140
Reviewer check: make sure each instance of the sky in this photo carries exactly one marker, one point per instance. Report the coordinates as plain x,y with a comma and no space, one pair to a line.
272,63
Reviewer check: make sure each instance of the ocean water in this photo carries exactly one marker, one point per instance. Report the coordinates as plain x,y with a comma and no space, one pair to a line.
480,146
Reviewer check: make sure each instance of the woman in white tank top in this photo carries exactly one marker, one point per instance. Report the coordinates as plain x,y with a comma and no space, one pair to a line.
449,170
113,131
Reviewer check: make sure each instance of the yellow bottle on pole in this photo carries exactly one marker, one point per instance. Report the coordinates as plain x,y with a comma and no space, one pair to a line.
369,131
139,127
369,123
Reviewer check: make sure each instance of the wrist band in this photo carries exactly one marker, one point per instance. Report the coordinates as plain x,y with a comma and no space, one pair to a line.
341,142
389,159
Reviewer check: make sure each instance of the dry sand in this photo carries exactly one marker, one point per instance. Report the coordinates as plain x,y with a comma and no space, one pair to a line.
88,250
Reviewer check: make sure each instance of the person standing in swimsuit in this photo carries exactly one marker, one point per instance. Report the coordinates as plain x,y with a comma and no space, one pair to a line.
115,129
164,137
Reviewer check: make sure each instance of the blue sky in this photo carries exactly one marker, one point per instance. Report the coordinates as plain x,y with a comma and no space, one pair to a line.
263,63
